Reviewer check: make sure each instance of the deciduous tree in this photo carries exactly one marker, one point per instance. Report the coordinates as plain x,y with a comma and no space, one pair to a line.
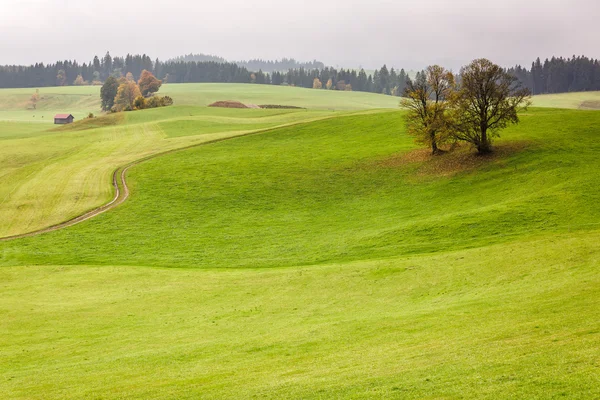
489,99
126,95
108,92
427,101
148,83
79,81
317,84
35,97
61,78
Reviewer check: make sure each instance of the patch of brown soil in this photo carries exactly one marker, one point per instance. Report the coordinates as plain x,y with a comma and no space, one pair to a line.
228,104
590,105
459,158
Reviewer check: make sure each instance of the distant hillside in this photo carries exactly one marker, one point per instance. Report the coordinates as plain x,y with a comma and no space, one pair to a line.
285,64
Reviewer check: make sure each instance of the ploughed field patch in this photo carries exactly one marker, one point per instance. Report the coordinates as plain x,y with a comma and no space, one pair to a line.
590,105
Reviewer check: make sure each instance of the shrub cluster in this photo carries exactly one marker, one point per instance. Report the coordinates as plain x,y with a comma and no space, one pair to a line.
142,102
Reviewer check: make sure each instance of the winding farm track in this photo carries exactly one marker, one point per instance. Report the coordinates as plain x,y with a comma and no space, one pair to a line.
122,194
120,197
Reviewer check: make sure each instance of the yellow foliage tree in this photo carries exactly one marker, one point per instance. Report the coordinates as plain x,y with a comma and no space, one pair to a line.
329,84
35,98
126,95
79,81
317,84
428,99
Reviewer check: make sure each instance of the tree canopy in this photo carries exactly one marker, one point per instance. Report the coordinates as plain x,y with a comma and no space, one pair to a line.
126,94
148,83
108,92
488,100
427,101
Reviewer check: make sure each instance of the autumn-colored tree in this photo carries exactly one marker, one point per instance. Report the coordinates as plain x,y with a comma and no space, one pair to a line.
317,84
79,81
253,78
427,101
126,95
108,92
35,97
348,87
129,77
329,84
148,83
489,99
340,85
61,78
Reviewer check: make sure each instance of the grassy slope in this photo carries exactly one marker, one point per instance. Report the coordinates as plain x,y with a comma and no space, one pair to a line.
207,93
330,191
51,176
406,284
516,320
48,174
582,100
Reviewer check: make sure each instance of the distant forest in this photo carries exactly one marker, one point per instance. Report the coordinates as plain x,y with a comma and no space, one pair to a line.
283,65
557,75
560,75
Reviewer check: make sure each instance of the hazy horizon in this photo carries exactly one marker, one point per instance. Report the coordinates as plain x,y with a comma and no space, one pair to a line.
346,34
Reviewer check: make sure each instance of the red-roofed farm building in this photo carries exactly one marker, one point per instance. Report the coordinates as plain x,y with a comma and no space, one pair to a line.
63,119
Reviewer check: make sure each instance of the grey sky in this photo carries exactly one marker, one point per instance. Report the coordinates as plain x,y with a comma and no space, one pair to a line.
347,33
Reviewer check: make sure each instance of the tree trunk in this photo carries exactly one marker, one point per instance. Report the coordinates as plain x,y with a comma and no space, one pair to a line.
484,146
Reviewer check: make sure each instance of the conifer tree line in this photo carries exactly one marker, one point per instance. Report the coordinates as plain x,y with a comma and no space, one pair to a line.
65,73
556,75
560,75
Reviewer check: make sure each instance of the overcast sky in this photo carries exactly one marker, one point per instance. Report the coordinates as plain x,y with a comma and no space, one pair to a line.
345,33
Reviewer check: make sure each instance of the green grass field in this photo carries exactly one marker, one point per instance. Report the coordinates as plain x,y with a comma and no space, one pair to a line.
323,258
49,174
581,100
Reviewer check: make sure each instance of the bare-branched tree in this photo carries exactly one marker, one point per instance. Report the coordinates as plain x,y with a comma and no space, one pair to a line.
488,100
427,99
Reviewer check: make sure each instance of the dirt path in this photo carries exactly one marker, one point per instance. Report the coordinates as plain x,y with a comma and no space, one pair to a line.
120,197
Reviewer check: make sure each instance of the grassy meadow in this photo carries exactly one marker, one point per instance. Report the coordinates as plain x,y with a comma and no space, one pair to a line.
50,174
322,256
581,100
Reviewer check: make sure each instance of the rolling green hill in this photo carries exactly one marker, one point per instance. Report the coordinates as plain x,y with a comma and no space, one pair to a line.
49,175
313,254
328,259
